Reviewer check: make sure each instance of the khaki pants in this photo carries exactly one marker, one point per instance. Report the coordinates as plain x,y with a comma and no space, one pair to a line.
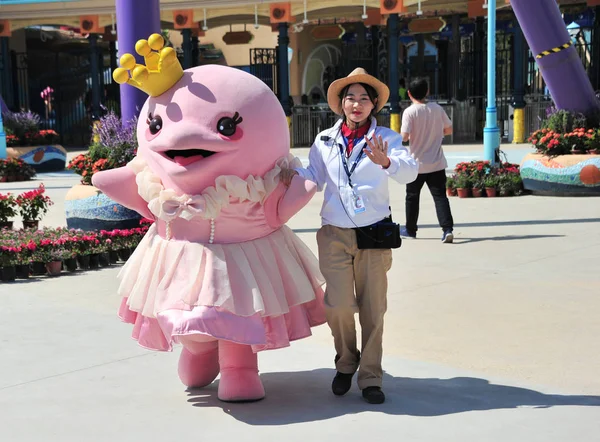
347,271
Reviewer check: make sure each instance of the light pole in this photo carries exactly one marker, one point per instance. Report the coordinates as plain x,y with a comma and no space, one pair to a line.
491,133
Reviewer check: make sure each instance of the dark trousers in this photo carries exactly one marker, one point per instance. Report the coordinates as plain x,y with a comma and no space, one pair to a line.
436,181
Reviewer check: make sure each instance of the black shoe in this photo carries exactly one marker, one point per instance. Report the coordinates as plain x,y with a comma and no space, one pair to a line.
341,383
373,395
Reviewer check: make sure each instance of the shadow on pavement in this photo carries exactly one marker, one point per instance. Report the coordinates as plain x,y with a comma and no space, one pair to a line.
305,396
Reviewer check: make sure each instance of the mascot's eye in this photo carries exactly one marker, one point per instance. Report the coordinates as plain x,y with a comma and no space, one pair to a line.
155,123
227,125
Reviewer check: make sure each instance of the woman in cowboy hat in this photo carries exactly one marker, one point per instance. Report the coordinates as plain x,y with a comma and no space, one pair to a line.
352,161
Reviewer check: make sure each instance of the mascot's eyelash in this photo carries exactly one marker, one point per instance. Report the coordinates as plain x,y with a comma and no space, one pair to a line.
149,118
237,118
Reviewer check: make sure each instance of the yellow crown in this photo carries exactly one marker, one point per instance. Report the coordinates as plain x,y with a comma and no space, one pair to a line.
161,72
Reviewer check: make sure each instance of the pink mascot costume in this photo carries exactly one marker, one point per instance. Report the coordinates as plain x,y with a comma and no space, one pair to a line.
218,272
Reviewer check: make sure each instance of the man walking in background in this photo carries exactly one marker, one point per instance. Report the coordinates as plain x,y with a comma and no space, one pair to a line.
424,125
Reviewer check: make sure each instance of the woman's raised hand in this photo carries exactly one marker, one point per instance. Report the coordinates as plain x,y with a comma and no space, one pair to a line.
378,153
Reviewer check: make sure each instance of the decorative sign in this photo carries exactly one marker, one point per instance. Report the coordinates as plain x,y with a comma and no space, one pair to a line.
238,37
328,32
374,17
5,30
476,9
426,25
184,19
391,6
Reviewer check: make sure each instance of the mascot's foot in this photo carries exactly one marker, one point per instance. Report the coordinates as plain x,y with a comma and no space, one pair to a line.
198,363
239,374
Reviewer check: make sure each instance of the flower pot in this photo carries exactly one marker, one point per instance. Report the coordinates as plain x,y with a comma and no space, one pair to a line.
113,256
124,254
23,271
94,261
490,192
6,225
576,152
31,224
9,273
83,261
450,191
104,259
38,268
462,193
71,264
594,152
476,192
54,268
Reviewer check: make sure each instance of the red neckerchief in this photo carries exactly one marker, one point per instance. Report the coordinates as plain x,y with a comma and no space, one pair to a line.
353,136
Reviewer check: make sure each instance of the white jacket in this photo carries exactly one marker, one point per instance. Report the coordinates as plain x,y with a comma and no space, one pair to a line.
369,180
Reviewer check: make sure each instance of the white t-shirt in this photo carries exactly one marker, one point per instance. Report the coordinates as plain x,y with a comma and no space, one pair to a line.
425,123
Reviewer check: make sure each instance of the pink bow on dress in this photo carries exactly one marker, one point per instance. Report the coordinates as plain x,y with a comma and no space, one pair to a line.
185,207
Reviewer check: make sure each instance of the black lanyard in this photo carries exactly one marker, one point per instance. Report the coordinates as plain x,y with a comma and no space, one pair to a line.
349,172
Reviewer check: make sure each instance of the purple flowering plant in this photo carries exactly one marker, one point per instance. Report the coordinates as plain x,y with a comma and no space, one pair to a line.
113,145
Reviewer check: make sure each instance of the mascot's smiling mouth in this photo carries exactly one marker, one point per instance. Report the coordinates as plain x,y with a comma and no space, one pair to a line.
188,156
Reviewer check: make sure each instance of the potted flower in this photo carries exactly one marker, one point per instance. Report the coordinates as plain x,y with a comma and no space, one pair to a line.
33,205
576,141
15,169
477,187
113,145
9,257
450,189
491,182
7,210
462,183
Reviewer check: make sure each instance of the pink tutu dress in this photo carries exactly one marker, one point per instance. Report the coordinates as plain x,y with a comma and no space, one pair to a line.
213,266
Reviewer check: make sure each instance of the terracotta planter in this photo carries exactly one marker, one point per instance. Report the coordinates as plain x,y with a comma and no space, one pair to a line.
71,264
462,193
6,225
576,152
490,192
54,268
23,271
594,152
9,274
83,261
31,224
451,191
38,268
476,192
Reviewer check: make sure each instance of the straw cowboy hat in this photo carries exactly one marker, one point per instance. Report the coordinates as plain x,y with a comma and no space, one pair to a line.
358,75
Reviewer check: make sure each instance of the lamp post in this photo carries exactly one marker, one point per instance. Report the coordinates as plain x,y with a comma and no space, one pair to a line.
491,133
3,153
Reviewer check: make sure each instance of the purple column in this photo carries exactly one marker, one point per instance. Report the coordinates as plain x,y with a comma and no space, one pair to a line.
563,71
136,19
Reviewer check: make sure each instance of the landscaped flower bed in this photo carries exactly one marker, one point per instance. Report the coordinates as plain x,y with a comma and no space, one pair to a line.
567,156
481,178
50,251
26,141
113,145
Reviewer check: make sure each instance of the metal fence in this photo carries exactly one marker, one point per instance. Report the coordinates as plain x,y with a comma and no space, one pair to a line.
308,121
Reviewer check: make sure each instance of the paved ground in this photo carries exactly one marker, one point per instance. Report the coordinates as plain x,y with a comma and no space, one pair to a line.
493,338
